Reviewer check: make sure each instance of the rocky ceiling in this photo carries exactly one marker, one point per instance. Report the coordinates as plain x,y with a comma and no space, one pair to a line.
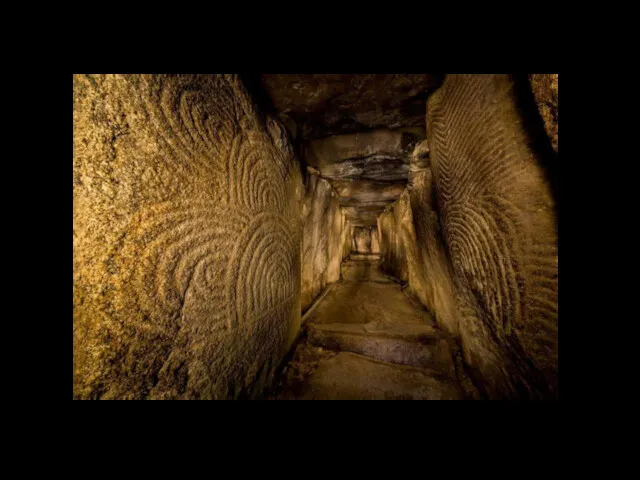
332,104
368,170
358,131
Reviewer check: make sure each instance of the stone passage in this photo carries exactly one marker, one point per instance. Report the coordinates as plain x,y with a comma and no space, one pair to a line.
365,241
368,340
475,233
406,223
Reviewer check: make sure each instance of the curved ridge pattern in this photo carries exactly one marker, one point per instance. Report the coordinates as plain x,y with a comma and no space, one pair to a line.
496,216
198,291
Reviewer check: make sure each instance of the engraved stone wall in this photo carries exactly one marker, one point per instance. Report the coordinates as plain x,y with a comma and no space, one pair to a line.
476,236
186,239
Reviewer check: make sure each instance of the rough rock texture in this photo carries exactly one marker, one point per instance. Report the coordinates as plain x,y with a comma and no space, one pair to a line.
368,340
322,238
393,244
413,345
357,193
545,91
430,277
330,104
186,237
375,242
475,236
365,240
412,243
348,376
381,154
360,268
368,170
346,237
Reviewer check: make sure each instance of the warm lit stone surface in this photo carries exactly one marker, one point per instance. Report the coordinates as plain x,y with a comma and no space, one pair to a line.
545,91
375,241
362,303
348,376
414,345
322,239
201,233
346,236
331,104
496,222
362,216
356,193
381,154
365,240
186,239
380,336
429,273
369,170
355,270
393,244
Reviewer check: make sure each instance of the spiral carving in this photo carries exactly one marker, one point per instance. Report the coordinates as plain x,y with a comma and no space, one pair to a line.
264,272
194,220
496,213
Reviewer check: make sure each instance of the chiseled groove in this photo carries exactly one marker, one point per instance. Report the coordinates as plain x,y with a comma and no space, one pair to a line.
509,269
546,315
481,125
479,158
195,113
184,225
229,166
201,125
544,282
250,171
486,241
490,176
545,270
503,219
172,165
186,117
477,142
171,103
455,121
195,256
542,303
545,293
467,169
267,250
278,273
193,139
466,238
169,129
483,137
248,254
171,254
456,93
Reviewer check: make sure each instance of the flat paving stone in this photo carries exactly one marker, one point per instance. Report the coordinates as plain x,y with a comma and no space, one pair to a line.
348,376
368,340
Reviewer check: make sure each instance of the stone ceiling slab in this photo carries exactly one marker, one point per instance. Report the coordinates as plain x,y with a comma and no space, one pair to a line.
360,193
330,104
368,170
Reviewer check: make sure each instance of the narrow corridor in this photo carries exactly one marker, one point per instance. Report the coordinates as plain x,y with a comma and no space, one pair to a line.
315,236
366,339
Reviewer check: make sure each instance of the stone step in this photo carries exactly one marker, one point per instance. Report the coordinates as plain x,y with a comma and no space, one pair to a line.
403,344
348,376
364,256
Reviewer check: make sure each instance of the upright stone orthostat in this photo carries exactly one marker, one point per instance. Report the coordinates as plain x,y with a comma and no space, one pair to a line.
322,237
475,236
186,239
